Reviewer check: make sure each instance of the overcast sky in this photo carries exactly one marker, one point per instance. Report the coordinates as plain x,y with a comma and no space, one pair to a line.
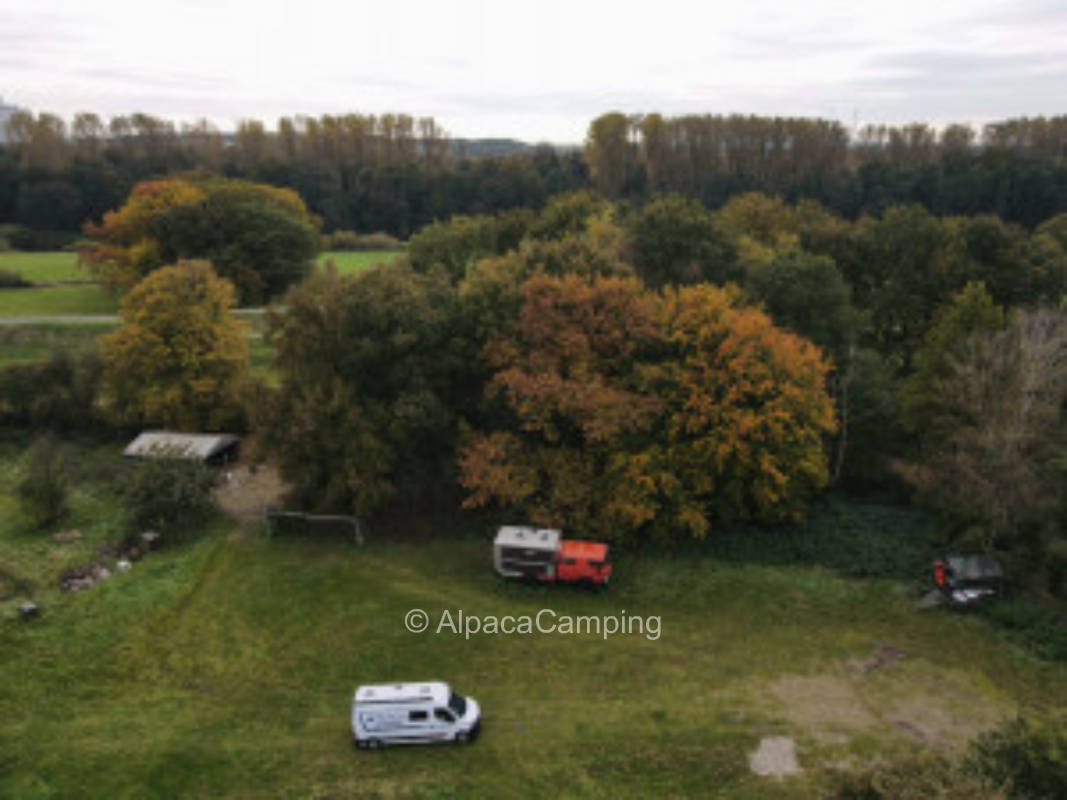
538,70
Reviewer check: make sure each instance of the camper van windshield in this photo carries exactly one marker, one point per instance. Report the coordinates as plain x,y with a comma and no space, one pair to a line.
458,704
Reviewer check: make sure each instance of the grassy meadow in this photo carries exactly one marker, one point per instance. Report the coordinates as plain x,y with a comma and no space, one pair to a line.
62,293
223,667
74,300
349,261
54,267
60,288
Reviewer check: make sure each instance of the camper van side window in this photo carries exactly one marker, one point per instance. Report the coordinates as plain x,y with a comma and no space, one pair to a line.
417,716
443,715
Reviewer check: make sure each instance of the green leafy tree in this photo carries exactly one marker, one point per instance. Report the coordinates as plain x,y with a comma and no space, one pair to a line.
180,358
971,311
375,369
568,214
908,263
675,240
260,237
453,245
43,489
807,294
166,494
456,244
1017,269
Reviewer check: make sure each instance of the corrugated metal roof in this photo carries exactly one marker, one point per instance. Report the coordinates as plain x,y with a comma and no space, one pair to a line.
157,444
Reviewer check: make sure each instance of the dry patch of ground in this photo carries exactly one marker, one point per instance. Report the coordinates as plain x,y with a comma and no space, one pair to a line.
826,707
887,697
246,491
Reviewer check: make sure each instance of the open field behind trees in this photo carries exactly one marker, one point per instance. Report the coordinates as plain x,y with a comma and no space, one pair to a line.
91,298
81,300
224,667
35,341
349,261
48,267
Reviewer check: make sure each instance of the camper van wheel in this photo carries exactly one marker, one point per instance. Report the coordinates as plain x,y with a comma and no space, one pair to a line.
373,744
461,737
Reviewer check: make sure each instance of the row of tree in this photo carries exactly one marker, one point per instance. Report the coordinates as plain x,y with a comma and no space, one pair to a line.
395,173
390,173
1016,168
619,368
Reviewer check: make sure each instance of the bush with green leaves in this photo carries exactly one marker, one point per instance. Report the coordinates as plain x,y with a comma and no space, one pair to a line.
926,777
59,393
9,279
42,491
350,240
167,494
1024,757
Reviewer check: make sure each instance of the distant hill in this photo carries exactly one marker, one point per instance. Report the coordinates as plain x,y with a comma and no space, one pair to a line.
475,148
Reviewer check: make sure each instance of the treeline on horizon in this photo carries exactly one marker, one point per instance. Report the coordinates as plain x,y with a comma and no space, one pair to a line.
396,173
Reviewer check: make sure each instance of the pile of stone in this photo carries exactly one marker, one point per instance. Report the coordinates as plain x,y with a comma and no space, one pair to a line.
85,576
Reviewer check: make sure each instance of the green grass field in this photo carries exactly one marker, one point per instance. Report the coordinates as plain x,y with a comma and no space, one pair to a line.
55,267
224,667
348,261
90,299
58,267
93,299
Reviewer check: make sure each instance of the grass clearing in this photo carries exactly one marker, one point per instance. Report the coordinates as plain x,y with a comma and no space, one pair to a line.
349,261
225,667
83,300
50,267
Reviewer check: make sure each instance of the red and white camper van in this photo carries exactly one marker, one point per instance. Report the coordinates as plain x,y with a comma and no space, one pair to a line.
543,554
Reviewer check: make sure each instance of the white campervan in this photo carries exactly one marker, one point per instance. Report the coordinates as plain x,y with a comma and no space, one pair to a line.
404,713
520,551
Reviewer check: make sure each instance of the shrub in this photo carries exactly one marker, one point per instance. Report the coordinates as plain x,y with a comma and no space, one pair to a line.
166,494
58,394
9,279
341,240
42,492
1026,757
1033,625
379,240
350,240
23,238
916,778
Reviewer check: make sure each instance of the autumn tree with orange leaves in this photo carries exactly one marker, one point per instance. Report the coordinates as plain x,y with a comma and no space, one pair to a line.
637,412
